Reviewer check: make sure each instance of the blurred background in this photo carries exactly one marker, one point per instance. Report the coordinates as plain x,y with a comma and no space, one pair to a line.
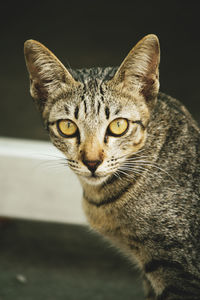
94,33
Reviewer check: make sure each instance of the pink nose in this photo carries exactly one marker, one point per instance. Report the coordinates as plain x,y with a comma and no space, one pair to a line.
92,165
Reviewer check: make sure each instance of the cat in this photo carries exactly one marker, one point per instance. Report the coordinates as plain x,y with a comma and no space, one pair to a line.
136,152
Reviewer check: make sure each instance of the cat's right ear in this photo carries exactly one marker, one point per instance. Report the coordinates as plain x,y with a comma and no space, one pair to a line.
48,76
139,72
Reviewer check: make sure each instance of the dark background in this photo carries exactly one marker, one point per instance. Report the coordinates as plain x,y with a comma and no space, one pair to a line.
94,33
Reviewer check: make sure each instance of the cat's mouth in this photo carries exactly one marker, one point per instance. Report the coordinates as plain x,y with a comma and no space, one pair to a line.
94,179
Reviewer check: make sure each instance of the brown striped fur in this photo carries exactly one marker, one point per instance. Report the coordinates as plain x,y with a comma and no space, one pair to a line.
141,190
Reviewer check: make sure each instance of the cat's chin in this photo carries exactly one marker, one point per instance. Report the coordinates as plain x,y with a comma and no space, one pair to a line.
94,180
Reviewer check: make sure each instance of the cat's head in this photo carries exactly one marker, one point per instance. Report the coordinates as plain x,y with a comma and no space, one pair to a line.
95,121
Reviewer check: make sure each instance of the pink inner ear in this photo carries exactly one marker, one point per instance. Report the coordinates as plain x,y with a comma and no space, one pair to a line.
33,70
38,91
141,64
149,90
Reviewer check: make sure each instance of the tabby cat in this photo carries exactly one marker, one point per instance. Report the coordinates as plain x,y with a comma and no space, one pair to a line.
136,152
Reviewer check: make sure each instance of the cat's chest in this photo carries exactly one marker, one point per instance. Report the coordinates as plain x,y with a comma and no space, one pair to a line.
103,219
109,222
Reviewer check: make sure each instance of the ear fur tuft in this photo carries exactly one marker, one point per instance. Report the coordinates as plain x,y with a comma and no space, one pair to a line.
139,70
47,73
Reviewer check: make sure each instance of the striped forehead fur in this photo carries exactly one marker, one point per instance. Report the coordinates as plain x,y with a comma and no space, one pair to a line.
88,101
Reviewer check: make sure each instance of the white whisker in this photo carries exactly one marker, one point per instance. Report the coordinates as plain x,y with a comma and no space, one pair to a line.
146,163
128,174
140,171
130,159
116,174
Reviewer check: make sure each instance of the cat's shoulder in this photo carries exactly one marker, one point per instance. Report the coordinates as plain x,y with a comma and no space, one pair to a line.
172,103
176,109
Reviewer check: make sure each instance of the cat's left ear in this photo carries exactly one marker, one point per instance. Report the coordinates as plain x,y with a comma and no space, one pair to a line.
48,76
139,71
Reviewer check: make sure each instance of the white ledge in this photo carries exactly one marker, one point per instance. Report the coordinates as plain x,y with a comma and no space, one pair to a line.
34,183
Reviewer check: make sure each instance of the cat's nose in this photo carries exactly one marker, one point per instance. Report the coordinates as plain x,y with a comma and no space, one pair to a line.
92,165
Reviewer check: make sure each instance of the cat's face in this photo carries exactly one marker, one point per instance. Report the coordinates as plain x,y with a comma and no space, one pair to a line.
96,123
98,132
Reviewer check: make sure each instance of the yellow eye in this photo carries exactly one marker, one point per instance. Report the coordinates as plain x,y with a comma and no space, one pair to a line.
67,128
118,127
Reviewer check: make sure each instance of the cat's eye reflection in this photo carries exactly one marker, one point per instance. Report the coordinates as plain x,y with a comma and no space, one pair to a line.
118,127
67,128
